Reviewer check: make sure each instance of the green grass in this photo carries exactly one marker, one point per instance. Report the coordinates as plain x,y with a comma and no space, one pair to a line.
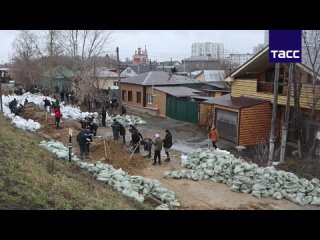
33,178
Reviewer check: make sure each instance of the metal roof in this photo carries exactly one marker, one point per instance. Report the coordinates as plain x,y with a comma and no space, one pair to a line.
179,91
235,102
155,78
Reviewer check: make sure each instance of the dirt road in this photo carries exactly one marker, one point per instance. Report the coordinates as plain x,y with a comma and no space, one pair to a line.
191,194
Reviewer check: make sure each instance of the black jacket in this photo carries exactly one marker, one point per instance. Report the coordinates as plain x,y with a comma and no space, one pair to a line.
122,130
167,141
104,114
115,128
47,103
136,137
81,138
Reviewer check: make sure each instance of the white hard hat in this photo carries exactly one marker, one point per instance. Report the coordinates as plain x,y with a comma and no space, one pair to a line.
157,135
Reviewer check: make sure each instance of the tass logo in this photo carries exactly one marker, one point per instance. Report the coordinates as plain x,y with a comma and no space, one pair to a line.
285,46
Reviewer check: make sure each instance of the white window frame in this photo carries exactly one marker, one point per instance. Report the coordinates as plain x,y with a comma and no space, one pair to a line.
149,99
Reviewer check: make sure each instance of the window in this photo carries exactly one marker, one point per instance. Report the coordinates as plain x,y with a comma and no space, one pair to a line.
123,95
271,73
138,97
129,96
149,99
128,70
116,83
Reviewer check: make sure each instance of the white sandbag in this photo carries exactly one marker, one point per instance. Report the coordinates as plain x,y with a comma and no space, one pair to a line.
163,207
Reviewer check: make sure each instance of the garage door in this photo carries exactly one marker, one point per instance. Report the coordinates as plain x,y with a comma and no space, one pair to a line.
227,122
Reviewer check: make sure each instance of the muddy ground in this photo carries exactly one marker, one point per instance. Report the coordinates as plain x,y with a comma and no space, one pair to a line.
191,194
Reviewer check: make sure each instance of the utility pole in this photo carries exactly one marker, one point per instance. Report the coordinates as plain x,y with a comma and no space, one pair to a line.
274,114
297,110
119,80
286,119
70,146
1,77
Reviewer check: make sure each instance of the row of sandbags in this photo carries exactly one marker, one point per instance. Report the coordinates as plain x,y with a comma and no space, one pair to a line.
20,122
222,167
72,111
125,120
135,187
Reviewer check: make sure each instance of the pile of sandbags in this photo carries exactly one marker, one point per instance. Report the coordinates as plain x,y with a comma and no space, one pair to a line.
20,122
241,176
135,187
125,120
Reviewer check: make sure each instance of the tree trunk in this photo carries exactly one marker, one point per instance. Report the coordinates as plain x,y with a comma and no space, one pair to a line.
297,113
286,119
274,114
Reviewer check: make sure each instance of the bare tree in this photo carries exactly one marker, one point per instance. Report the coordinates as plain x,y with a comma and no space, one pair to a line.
35,53
53,49
311,40
83,46
274,114
261,152
287,114
311,51
25,68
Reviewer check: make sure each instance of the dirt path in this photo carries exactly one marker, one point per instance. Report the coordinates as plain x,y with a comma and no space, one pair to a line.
191,194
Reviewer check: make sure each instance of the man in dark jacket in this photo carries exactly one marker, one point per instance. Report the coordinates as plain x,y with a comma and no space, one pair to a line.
18,110
167,143
83,139
122,131
103,116
62,95
147,142
13,105
92,125
132,128
123,110
46,104
115,129
136,137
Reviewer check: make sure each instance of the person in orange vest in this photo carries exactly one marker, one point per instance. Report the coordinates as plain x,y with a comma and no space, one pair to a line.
214,135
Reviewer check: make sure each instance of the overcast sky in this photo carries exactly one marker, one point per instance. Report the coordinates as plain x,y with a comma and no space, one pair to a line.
161,44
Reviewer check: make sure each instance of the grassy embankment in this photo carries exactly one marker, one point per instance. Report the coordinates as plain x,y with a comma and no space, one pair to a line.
33,178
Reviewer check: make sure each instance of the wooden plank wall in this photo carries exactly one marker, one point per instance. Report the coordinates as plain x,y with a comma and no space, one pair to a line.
248,87
255,123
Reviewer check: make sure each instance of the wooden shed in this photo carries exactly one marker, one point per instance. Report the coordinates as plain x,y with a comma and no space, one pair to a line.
241,120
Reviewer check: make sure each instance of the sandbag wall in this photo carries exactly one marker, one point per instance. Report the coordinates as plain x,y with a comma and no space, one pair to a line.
241,176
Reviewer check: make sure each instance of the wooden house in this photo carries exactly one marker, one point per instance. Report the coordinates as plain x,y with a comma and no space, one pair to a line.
248,109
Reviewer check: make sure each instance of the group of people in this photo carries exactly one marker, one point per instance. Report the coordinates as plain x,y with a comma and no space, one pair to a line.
69,96
55,107
88,122
89,129
166,143
19,91
15,108
85,137
137,139
118,129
